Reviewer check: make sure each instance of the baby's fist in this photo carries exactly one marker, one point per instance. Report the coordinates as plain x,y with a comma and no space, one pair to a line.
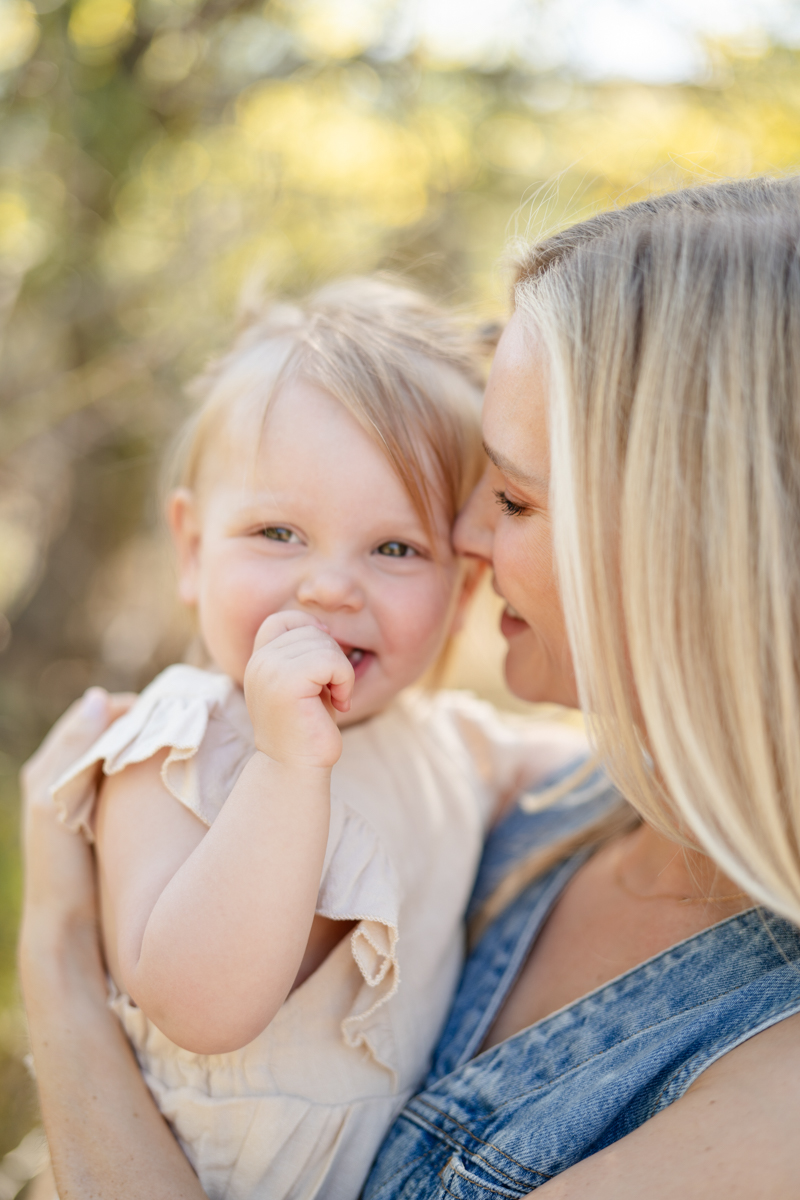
296,677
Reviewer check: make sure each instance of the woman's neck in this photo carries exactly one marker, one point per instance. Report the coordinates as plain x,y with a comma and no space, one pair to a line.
634,898
650,866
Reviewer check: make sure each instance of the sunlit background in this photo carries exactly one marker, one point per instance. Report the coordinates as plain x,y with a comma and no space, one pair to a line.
159,160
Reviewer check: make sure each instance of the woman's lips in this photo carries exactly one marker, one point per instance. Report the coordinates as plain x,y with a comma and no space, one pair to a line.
511,623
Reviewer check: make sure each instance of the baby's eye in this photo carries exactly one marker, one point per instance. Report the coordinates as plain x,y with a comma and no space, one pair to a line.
396,550
279,533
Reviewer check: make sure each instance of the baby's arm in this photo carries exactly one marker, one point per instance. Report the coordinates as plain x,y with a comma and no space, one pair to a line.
209,928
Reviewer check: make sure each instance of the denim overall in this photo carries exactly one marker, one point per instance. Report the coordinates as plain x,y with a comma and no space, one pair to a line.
506,1121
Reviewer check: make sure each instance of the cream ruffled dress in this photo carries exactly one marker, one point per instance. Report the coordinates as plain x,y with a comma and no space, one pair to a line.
301,1110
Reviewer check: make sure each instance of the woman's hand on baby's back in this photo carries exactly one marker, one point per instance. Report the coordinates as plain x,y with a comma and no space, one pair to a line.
58,875
296,680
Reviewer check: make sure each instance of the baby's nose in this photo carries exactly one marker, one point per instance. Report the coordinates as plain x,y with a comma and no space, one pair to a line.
331,588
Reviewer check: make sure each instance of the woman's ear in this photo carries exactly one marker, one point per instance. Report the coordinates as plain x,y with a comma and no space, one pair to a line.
473,572
183,519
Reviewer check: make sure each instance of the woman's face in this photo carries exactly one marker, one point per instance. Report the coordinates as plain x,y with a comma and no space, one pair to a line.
506,521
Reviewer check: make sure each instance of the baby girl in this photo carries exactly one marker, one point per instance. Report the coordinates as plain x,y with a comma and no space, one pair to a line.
286,841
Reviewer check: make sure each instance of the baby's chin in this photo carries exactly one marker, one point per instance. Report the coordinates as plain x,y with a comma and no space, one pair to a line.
368,701
226,660
361,711
237,675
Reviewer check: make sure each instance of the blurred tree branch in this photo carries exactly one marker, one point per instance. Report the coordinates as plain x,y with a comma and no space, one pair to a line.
114,376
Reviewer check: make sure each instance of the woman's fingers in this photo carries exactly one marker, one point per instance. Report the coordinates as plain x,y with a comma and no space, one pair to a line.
58,866
120,702
71,736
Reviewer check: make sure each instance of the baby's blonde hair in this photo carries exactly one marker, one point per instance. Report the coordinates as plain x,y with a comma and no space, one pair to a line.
672,329
410,373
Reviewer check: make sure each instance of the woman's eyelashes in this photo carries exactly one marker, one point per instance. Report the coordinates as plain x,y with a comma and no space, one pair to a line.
508,506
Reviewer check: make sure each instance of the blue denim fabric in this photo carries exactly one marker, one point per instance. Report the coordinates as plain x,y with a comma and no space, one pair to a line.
505,1122
521,832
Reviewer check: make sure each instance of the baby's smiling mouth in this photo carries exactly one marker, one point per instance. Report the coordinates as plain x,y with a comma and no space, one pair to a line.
358,658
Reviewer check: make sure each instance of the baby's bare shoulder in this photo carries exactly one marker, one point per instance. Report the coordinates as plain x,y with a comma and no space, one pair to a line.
134,806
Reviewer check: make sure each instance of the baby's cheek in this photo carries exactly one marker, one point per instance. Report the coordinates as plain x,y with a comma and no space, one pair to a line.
230,620
242,619
418,626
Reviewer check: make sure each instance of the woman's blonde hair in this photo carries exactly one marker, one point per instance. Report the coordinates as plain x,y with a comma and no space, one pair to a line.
410,373
672,330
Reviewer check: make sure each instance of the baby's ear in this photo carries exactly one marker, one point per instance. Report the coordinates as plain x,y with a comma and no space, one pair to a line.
473,571
183,519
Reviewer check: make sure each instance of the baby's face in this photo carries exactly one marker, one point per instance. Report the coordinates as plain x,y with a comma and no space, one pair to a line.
317,522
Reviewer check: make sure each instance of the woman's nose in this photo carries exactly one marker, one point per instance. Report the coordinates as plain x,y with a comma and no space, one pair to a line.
473,533
330,589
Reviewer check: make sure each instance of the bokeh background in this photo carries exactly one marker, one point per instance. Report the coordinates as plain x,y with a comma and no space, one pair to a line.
160,159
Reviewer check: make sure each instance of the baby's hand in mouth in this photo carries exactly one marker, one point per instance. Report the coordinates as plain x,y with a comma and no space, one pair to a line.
297,676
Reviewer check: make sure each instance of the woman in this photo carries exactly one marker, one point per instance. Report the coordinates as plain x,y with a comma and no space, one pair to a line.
629,1022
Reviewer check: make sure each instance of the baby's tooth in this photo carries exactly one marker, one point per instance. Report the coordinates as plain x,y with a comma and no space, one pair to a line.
355,657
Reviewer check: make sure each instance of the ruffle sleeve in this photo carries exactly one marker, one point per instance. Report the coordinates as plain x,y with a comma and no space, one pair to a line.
185,711
361,884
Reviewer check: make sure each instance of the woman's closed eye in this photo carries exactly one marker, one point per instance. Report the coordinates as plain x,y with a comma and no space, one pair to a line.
279,533
396,550
508,506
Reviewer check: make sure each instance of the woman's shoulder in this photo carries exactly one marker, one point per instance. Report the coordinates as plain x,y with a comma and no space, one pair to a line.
733,1132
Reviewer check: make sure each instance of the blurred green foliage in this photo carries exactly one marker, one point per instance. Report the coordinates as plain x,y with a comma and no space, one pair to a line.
157,160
